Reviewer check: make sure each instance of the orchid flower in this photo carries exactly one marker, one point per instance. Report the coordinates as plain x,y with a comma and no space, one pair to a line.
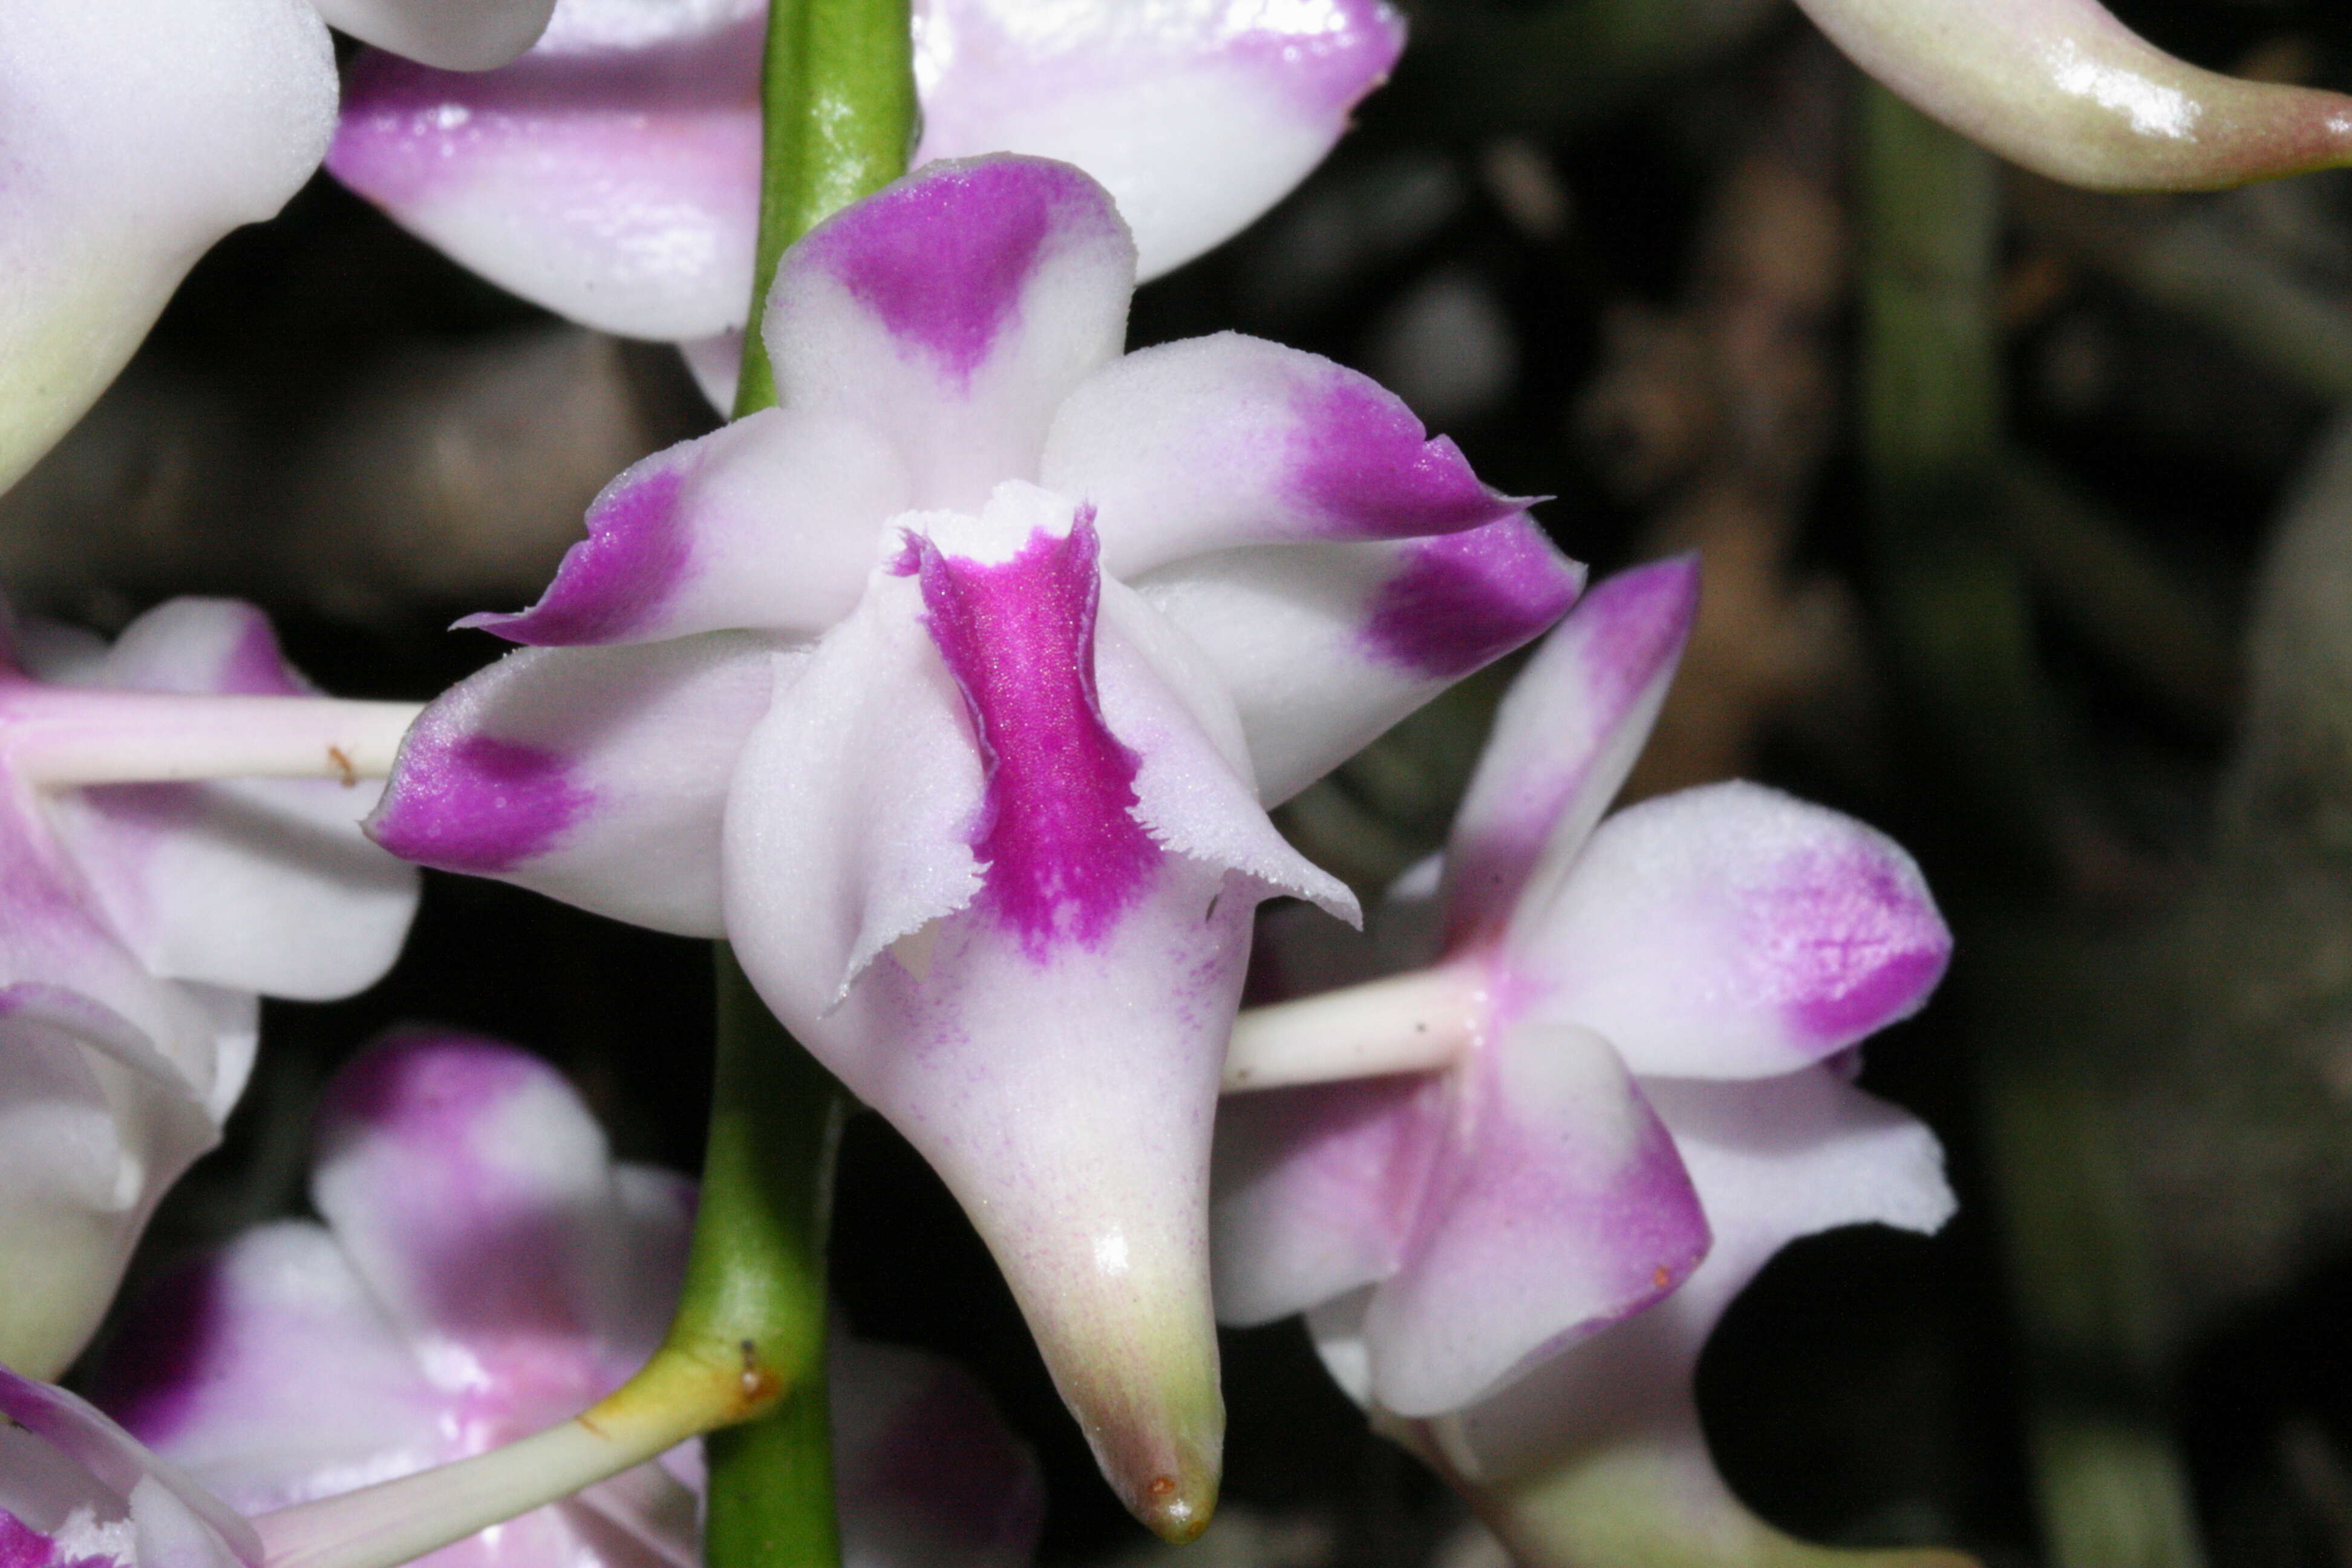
136,133
953,692
2063,88
486,1270
143,916
613,173
1635,1037
77,1492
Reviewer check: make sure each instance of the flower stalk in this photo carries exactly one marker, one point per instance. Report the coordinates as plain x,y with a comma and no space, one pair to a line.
1415,1022
70,737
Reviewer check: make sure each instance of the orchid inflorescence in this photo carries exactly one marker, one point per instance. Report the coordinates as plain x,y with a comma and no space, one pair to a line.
953,692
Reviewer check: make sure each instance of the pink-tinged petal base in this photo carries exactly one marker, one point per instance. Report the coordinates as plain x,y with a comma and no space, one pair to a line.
1732,931
1564,740
1317,1190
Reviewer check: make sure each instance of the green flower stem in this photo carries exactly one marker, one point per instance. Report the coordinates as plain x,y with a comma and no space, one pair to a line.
837,94
838,86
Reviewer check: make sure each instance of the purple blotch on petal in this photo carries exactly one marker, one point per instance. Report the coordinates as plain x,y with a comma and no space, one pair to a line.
1363,462
1353,47
1865,947
463,802
612,582
1062,850
22,1546
154,1370
942,258
1464,599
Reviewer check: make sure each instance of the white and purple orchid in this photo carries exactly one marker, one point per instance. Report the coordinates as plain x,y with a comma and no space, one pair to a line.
487,1271
953,693
1637,1038
141,920
77,1492
613,173
135,134
2063,88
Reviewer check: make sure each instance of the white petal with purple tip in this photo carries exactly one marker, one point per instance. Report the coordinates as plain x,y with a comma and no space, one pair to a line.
1210,443
1326,645
953,311
1564,739
596,775
1560,1208
768,523
1732,931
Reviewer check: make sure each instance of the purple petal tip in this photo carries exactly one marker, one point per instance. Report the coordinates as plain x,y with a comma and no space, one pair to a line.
612,583
470,803
943,257
1464,599
1363,464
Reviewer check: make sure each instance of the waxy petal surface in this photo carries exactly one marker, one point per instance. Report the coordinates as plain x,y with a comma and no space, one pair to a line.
768,523
1196,115
1772,1160
1210,443
613,173
219,1366
460,35
594,776
260,885
2063,88
133,135
1326,645
478,1201
1566,736
1317,1190
953,311
1732,931
1559,1208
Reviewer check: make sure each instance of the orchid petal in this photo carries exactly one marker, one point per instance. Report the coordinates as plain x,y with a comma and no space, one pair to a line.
1773,1160
1197,116
118,1461
1326,645
593,776
264,886
612,175
219,1367
767,523
136,135
953,311
1315,1190
2063,88
1560,1208
1213,442
475,1195
1564,740
88,1144
1732,931
460,34
1085,894
925,1470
